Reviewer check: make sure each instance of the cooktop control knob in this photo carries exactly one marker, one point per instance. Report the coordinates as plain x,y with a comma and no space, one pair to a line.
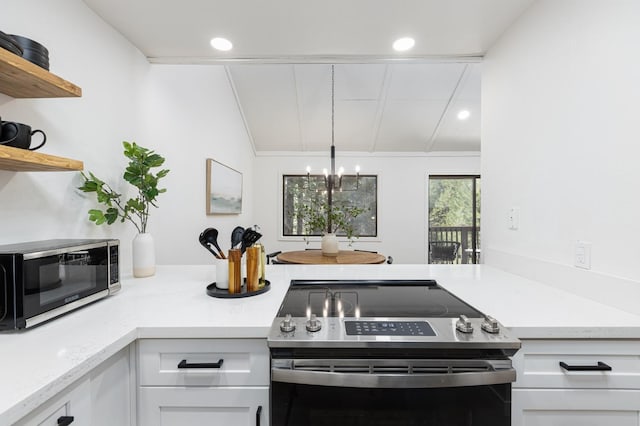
490,325
313,324
287,325
463,325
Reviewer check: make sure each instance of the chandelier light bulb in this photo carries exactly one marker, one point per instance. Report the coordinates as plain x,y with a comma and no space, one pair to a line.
326,173
357,169
308,169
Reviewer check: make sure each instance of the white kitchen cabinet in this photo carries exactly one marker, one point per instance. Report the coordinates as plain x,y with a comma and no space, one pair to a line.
186,406
101,398
603,390
113,391
203,381
575,407
72,407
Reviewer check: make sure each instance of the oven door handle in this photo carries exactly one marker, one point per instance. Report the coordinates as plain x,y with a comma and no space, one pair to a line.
414,380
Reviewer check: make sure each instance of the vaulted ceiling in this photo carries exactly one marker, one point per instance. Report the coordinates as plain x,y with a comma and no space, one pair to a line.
280,69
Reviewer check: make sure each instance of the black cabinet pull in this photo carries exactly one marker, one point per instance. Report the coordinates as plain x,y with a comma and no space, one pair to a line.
258,412
600,367
65,420
185,364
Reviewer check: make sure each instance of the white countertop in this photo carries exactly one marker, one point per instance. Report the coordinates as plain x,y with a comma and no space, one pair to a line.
36,364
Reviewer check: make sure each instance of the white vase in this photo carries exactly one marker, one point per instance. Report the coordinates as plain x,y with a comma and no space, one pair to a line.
144,256
329,245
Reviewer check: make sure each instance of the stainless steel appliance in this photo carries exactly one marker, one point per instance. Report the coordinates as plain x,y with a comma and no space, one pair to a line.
41,280
387,352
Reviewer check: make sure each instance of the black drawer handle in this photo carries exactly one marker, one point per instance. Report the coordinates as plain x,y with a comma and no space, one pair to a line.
258,412
65,420
185,364
600,367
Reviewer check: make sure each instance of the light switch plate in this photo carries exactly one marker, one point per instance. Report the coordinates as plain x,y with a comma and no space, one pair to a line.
514,218
582,255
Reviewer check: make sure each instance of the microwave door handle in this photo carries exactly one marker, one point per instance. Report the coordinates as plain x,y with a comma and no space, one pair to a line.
366,380
5,285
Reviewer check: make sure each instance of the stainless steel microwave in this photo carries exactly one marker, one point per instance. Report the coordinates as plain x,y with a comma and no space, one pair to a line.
41,280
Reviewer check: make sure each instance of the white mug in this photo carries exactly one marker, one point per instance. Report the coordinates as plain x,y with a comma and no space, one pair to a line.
222,273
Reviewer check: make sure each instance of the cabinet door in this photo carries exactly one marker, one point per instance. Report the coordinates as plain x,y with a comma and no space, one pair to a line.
572,407
111,391
175,406
72,407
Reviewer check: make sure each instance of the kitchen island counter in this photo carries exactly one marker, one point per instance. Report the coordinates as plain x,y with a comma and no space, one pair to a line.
40,362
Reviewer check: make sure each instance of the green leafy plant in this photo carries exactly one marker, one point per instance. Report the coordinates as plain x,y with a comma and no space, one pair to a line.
138,173
315,216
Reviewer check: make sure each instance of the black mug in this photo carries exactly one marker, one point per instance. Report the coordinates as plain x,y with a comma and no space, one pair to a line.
19,135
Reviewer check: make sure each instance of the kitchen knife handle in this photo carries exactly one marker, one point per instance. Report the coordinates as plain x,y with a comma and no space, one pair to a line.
601,366
65,420
258,412
185,364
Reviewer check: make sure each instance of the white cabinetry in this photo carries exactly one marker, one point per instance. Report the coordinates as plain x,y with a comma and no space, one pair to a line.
70,407
203,381
585,391
100,398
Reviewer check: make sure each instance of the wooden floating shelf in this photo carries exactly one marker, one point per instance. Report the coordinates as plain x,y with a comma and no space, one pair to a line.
20,78
22,160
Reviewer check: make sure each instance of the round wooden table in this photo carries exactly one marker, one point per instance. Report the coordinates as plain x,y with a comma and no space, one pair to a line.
344,257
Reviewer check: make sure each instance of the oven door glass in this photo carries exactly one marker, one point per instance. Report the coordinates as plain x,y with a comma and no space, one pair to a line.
310,405
53,281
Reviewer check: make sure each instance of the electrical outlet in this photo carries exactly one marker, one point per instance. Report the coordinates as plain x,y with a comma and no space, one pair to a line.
582,255
514,218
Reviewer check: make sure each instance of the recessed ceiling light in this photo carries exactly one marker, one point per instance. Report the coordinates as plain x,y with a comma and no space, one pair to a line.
463,114
220,43
403,44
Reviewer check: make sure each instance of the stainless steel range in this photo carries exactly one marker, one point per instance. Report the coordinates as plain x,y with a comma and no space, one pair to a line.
387,352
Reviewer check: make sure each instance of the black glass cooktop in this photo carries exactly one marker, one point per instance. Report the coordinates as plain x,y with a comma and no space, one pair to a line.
373,298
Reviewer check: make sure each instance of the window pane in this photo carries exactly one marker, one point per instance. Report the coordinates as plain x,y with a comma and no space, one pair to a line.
361,192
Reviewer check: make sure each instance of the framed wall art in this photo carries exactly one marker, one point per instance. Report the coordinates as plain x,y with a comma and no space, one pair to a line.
224,189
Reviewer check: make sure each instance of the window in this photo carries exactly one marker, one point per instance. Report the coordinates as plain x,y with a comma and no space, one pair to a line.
454,219
298,190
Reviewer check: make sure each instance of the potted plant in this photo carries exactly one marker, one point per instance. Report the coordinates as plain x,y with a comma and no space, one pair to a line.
318,216
135,209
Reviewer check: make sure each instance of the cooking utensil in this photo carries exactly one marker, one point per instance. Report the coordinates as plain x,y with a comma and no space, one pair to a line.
249,238
210,236
236,236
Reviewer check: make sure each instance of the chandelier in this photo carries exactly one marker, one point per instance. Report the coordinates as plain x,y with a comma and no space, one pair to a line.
333,180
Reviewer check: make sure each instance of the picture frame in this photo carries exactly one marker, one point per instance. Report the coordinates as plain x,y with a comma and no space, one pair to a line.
224,189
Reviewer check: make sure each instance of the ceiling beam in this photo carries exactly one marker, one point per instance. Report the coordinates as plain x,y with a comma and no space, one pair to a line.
445,111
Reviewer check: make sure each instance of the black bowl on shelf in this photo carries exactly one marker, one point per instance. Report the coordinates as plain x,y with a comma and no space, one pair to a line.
27,43
36,58
8,43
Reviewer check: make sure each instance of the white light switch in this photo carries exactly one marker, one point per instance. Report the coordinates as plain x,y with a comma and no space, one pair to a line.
514,218
583,255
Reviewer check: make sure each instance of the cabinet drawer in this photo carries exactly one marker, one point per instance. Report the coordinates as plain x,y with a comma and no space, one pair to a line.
192,362
575,407
170,406
538,364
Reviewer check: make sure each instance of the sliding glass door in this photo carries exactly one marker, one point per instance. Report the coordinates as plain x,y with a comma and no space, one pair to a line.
454,219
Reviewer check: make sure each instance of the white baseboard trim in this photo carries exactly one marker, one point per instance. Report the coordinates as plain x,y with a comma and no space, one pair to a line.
618,292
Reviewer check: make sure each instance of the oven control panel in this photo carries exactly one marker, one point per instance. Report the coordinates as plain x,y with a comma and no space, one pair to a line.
388,328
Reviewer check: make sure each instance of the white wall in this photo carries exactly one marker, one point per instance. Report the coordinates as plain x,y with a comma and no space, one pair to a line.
402,197
190,112
560,99
85,51
184,113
